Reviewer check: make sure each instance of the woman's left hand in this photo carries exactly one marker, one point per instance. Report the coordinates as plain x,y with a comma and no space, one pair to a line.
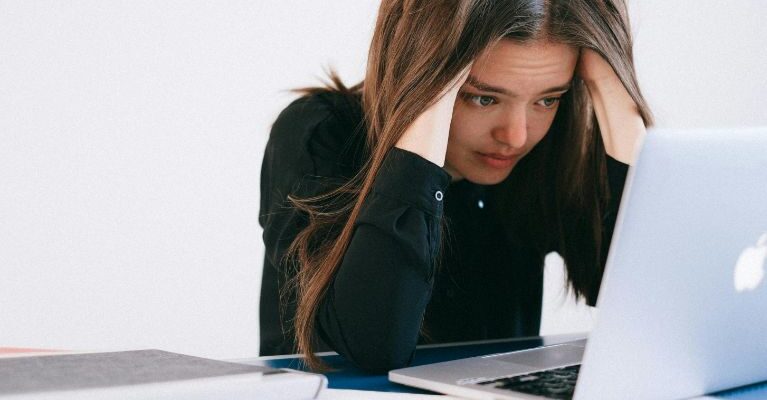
619,120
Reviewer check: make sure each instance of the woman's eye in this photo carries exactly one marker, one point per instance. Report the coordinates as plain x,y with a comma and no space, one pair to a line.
548,102
482,101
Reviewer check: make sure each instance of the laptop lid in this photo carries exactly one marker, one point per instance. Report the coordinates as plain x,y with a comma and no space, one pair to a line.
683,303
683,300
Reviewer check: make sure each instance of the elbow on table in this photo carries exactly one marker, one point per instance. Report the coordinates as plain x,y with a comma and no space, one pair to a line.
381,359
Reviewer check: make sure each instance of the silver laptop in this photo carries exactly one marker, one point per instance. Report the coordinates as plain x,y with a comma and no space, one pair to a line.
683,304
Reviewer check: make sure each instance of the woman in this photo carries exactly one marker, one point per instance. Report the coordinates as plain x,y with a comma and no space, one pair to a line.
418,205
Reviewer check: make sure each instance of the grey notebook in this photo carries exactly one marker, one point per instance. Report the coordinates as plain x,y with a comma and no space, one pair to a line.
144,369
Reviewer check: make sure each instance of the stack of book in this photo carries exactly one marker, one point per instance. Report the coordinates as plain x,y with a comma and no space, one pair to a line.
148,374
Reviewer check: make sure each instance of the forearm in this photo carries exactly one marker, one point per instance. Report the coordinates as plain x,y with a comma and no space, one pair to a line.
427,136
372,312
619,120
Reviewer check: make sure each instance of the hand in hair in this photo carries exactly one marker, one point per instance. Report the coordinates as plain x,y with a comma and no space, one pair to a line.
427,135
619,120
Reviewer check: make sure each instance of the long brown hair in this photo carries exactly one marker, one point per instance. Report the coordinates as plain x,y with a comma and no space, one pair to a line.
418,48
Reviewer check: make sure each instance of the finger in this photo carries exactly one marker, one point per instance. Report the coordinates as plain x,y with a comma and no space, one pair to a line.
458,81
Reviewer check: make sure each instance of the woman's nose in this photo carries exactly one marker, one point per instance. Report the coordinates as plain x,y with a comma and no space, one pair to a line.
512,131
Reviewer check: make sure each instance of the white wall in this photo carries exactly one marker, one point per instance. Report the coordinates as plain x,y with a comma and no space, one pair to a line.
131,135
702,63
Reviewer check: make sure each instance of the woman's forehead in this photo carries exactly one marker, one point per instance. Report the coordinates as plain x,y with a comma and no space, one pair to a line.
524,67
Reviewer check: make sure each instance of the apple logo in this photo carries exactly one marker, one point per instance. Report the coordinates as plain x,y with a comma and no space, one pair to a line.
749,270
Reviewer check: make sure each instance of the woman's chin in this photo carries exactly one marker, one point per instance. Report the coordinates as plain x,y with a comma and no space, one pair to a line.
484,176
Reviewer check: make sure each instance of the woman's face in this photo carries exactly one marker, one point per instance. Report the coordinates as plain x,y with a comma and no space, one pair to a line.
506,107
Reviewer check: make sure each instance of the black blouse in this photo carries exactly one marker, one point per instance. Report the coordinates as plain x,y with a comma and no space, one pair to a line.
396,286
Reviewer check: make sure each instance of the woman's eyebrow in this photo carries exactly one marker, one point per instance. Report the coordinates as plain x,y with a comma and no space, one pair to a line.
471,80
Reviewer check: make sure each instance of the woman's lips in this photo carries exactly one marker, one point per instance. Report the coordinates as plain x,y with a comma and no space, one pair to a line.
499,161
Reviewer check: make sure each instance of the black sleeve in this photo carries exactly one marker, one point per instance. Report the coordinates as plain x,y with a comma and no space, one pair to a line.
290,165
287,169
372,311
616,179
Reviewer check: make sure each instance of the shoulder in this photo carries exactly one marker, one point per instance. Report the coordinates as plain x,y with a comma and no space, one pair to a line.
326,127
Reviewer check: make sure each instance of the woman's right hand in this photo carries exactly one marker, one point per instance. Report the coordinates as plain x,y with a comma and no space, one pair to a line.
427,136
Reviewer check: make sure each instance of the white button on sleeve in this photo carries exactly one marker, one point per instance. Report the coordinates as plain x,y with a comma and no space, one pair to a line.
438,195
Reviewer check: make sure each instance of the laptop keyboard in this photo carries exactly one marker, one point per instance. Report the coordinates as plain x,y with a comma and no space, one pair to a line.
554,383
